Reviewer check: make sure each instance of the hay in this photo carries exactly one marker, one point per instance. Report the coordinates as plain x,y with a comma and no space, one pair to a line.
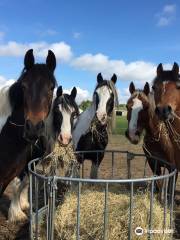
91,216
60,162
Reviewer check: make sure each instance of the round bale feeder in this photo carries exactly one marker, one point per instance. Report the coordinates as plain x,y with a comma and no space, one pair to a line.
123,203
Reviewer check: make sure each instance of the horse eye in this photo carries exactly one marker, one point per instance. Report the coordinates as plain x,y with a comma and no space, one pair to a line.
24,86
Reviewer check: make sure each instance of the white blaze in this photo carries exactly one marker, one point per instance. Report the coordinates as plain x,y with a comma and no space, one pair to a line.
136,108
104,94
66,125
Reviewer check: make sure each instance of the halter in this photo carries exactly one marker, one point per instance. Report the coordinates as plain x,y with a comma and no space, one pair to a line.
15,124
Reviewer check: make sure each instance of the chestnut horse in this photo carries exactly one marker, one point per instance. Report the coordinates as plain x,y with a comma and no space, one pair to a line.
166,88
141,116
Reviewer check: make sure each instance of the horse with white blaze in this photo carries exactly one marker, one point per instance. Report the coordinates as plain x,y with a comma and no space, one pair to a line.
58,125
91,130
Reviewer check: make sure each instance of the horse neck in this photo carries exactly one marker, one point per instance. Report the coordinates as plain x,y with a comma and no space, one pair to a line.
49,129
83,123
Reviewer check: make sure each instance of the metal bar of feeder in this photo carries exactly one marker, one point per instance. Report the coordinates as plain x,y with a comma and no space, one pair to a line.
172,201
151,210
112,164
31,208
78,212
165,204
106,213
131,211
36,208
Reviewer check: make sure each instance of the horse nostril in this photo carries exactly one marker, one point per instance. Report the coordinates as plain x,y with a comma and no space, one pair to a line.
28,125
61,138
169,108
157,110
40,125
138,133
126,133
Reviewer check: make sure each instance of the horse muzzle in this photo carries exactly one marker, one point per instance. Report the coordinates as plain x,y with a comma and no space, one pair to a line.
32,132
164,113
134,138
64,139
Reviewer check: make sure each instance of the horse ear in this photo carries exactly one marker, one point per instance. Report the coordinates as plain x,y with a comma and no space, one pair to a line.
99,78
131,88
175,68
59,91
51,61
159,69
114,78
146,88
74,92
29,59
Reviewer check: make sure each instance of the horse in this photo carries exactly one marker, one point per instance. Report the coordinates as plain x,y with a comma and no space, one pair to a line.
58,125
90,132
29,101
141,116
166,87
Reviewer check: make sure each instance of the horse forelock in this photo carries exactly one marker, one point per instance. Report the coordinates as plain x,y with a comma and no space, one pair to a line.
39,71
67,103
166,76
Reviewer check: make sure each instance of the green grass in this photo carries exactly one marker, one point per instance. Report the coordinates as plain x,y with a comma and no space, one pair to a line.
121,125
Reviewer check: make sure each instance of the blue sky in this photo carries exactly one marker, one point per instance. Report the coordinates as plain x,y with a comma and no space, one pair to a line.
128,38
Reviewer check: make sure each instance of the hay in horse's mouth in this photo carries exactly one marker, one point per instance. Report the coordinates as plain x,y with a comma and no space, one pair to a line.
60,160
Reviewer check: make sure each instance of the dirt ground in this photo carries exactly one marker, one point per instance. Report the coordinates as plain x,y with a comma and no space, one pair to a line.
9,231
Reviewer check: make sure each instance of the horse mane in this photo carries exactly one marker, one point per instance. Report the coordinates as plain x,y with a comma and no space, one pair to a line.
152,104
5,106
67,102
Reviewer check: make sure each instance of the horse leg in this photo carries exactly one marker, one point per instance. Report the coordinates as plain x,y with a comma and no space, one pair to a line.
94,170
15,213
24,188
156,169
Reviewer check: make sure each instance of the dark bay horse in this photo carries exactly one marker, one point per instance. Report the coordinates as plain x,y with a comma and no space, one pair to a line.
91,133
29,100
141,116
166,88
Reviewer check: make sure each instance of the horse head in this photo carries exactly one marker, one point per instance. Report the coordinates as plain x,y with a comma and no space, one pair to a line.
137,112
65,113
105,97
166,87
35,90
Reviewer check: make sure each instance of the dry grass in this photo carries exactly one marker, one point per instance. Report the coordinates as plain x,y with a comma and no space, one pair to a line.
60,161
92,216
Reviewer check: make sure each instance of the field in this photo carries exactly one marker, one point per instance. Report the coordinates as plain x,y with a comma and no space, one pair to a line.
118,142
121,125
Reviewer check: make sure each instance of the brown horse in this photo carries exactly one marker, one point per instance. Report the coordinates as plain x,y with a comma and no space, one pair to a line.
167,98
29,101
141,116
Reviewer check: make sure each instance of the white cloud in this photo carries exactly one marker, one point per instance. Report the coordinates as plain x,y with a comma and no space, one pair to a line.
138,70
61,49
5,82
82,94
123,95
76,35
166,16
